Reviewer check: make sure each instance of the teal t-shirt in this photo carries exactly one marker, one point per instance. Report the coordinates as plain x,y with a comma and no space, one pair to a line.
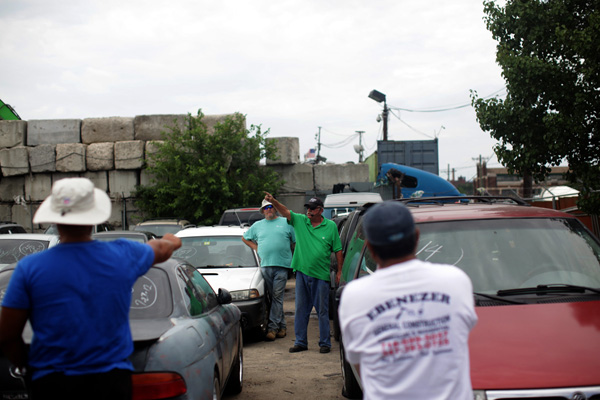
274,239
312,254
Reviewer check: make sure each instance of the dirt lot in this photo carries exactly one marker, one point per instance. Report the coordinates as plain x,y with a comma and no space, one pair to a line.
270,371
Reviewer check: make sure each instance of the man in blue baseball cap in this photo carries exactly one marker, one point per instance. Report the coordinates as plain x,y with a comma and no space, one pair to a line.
406,327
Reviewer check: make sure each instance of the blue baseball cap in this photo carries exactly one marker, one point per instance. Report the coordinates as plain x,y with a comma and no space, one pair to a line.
387,223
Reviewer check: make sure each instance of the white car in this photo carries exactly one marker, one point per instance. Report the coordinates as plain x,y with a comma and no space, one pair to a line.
16,246
226,262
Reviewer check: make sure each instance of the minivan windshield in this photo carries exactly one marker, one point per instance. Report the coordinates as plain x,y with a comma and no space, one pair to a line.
500,254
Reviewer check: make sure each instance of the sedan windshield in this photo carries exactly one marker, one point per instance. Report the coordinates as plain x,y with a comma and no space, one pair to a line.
216,252
500,254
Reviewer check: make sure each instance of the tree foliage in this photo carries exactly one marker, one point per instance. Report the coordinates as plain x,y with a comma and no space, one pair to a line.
549,54
196,174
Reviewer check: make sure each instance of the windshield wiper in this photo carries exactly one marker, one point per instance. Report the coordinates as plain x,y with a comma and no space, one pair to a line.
492,297
547,289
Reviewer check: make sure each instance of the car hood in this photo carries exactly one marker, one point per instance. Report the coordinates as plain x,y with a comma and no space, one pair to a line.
149,329
233,279
536,346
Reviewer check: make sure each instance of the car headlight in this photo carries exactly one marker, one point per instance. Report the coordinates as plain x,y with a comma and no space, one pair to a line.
479,395
238,295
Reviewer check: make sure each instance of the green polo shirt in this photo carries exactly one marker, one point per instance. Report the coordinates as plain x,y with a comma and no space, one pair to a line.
312,255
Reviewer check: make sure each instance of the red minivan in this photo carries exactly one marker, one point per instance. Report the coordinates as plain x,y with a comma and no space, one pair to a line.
536,284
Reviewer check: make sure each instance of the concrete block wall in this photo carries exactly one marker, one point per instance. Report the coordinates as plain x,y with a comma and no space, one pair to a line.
112,151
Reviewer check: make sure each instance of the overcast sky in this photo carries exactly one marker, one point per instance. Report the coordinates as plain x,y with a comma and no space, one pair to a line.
290,66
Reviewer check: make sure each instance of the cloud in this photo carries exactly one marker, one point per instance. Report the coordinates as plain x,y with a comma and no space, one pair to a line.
289,65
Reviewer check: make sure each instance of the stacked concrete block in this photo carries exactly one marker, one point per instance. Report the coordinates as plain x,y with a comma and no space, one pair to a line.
23,212
288,151
11,188
327,175
13,133
146,178
5,212
14,161
100,156
53,131
150,149
129,154
38,186
298,178
100,179
212,120
113,153
151,127
70,157
63,175
113,129
42,158
122,183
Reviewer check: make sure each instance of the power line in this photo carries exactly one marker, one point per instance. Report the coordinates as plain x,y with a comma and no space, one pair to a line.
413,129
450,108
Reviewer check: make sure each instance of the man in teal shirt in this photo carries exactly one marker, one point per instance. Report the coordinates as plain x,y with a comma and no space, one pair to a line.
273,239
316,238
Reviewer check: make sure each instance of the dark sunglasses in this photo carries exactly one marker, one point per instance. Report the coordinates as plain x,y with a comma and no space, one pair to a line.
267,207
312,208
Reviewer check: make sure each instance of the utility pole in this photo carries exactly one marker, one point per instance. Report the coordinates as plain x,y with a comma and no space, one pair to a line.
318,137
360,147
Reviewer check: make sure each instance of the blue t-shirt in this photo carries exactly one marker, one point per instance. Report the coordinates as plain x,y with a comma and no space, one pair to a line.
274,238
78,295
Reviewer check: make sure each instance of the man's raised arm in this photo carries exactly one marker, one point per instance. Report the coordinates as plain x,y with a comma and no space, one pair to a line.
281,209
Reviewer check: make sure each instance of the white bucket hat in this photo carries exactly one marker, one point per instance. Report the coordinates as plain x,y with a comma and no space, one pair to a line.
264,204
74,201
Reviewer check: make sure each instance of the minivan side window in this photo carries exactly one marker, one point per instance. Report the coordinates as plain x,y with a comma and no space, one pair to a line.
367,264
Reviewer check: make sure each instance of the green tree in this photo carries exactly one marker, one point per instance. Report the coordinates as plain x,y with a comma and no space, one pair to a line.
197,174
549,54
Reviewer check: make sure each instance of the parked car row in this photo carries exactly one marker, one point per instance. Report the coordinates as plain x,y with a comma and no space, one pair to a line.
188,338
536,283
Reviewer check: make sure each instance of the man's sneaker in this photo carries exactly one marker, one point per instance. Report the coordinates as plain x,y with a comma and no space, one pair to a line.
270,336
281,333
297,349
325,349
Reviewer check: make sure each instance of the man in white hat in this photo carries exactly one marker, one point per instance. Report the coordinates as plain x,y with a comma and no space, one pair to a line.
273,239
77,296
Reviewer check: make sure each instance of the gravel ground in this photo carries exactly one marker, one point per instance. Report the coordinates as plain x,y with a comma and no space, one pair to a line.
272,372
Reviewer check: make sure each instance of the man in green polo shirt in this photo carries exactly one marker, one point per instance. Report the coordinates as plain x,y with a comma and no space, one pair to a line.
316,238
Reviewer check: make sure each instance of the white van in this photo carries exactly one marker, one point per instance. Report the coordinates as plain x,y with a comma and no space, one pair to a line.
340,203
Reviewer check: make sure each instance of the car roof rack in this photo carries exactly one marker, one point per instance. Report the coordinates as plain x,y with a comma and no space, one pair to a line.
464,200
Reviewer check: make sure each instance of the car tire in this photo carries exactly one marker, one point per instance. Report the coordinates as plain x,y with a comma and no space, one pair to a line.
336,327
216,388
260,331
235,382
350,386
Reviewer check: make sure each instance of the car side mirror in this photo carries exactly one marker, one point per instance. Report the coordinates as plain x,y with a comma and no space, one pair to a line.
224,297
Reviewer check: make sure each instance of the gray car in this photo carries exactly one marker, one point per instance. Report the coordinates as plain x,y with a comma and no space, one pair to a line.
187,338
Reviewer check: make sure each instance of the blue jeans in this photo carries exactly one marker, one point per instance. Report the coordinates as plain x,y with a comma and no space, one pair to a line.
311,292
275,281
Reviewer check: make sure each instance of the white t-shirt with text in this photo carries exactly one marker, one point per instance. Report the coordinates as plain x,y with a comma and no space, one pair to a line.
407,326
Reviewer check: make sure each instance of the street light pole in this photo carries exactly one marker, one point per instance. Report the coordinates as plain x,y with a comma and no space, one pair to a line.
385,121
380,98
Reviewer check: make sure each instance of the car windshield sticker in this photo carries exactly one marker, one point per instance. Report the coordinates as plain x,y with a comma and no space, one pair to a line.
30,247
144,293
433,249
185,253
